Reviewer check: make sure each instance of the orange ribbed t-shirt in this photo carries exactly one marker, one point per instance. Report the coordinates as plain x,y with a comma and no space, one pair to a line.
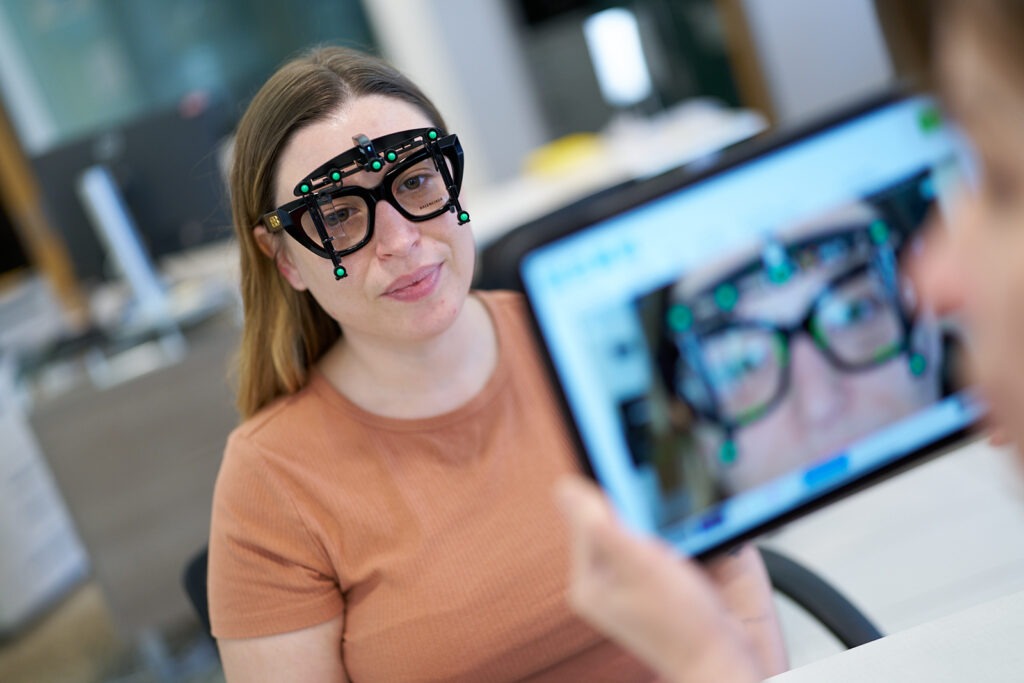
437,538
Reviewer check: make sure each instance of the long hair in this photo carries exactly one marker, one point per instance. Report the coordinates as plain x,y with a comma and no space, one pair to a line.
285,331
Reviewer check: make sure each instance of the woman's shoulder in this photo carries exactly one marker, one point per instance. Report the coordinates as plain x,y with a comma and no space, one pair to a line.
277,413
501,298
507,307
285,424
278,451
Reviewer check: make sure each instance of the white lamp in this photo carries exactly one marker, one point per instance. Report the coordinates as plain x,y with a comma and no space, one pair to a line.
616,51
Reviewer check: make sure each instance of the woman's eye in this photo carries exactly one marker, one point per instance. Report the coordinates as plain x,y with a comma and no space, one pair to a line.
852,312
338,216
412,183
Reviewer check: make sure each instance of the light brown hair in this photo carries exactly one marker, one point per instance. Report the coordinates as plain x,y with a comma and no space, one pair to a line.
285,331
911,28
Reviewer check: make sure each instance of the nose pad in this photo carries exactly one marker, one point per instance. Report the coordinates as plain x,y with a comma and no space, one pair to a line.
394,234
816,388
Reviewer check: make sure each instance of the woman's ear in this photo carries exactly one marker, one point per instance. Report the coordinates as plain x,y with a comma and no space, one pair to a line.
272,247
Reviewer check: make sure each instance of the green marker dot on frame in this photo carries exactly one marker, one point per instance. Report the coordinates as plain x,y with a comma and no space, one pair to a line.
727,454
335,176
726,296
392,156
303,188
432,135
918,364
879,232
680,318
340,271
463,216
780,274
376,165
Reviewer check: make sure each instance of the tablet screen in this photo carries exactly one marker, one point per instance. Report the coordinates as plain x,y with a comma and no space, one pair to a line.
745,344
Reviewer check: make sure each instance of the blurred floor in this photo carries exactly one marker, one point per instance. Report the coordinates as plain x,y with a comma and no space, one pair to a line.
74,643
135,462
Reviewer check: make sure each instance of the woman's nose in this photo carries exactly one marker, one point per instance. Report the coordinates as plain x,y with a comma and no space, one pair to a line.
394,234
816,387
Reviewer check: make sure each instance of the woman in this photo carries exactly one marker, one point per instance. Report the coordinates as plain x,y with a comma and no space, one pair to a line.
636,590
383,513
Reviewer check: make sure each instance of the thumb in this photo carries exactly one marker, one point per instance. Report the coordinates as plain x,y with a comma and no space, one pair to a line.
591,522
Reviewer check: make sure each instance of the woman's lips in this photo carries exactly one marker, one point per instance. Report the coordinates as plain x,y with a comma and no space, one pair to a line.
415,285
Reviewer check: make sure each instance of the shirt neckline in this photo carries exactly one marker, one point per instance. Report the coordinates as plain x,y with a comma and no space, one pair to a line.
323,387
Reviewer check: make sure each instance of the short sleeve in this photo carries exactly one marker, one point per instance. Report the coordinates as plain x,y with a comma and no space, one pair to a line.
267,573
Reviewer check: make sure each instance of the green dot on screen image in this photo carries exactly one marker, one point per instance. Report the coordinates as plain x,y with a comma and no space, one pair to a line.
680,318
726,297
879,232
918,364
779,274
727,454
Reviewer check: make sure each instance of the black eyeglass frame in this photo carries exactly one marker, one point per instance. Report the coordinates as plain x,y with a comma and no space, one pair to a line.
326,179
691,343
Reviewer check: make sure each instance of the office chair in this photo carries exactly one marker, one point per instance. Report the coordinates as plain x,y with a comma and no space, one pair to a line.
819,599
194,581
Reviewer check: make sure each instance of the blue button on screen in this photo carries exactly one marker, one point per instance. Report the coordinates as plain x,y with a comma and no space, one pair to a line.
826,471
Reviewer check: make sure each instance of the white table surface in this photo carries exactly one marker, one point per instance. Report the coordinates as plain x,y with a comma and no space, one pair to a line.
982,643
939,539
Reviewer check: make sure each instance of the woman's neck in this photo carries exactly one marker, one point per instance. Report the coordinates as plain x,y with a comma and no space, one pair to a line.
416,380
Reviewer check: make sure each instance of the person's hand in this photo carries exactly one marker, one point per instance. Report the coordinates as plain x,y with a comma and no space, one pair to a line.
688,623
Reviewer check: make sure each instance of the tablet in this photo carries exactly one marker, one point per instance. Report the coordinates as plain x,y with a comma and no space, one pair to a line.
739,345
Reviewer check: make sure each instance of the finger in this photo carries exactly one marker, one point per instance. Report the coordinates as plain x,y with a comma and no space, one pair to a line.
999,436
588,515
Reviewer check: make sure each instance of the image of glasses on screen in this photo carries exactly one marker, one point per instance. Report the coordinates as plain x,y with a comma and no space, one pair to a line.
770,360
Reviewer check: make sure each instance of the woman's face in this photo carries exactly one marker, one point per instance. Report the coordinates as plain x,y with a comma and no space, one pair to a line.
976,266
410,282
823,408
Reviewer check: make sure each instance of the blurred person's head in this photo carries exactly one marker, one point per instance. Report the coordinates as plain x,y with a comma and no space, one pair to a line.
286,327
975,50
789,354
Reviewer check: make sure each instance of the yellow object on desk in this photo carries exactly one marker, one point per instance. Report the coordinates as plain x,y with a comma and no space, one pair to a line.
567,154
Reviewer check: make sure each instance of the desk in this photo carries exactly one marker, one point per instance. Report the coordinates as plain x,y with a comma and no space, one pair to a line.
934,541
982,643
